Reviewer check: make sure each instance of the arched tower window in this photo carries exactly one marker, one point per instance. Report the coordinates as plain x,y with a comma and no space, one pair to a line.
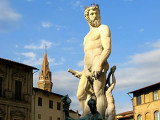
139,117
156,115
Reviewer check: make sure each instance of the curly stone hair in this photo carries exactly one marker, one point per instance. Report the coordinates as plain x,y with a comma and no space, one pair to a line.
87,9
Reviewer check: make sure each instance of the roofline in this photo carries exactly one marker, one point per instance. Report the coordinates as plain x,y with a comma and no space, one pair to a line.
143,88
38,89
128,116
70,110
7,60
124,113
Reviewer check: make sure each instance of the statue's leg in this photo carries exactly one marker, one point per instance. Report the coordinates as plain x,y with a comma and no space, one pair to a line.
110,111
99,86
99,92
81,93
87,109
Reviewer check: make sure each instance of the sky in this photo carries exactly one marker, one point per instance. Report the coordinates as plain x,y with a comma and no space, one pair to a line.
27,26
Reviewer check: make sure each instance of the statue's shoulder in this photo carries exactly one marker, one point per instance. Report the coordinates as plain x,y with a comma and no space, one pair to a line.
104,27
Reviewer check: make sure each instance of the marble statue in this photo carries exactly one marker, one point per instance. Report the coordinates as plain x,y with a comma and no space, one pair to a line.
97,49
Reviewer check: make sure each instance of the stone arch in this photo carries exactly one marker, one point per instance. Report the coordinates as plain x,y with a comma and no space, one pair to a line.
156,115
139,117
147,116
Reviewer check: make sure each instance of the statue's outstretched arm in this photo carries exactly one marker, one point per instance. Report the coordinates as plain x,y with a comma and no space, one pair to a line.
77,74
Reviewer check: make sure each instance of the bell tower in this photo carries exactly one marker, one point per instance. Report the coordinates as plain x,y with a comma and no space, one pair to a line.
45,80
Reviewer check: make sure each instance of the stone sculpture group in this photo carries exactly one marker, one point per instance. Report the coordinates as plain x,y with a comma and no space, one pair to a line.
93,83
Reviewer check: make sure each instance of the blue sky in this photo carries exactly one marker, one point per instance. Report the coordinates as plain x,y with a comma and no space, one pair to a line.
26,26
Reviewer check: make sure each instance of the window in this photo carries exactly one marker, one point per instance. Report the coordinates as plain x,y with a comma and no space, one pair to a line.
155,95
139,117
39,116
138,99
39,101
18,90
0,87
50,118
50,104
148,116
58,106
156,115
146,98
58,118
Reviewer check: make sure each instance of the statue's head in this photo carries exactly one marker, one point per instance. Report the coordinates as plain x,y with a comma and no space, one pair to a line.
92,15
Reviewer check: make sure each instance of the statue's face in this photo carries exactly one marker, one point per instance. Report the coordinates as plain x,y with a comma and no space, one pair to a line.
94,18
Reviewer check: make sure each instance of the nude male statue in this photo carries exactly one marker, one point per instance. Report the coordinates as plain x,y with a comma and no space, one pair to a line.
97,48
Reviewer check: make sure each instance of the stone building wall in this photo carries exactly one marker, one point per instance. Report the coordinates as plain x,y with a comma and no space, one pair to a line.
16,82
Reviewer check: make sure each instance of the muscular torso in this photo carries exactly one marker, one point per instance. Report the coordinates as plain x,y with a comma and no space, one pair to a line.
92,47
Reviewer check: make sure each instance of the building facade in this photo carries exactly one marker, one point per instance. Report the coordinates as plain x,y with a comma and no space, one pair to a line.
47,105
125,116
146,102
74,114
16,83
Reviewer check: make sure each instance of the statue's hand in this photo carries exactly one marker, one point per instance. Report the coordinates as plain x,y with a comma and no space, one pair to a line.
78,74
96,72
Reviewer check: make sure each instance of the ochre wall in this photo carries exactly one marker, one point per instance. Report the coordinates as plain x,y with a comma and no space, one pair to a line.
44,110
147,107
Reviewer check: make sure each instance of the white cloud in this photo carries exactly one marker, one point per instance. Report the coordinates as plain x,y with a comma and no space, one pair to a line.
48,2
68,48
147,58
156,44
42,45
8,16
141,30
80,63
29,54
60,27
63,59
70,40
78,4
16,46
46,24
35,78
144,71
31,59
65,83
123,107
7,13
